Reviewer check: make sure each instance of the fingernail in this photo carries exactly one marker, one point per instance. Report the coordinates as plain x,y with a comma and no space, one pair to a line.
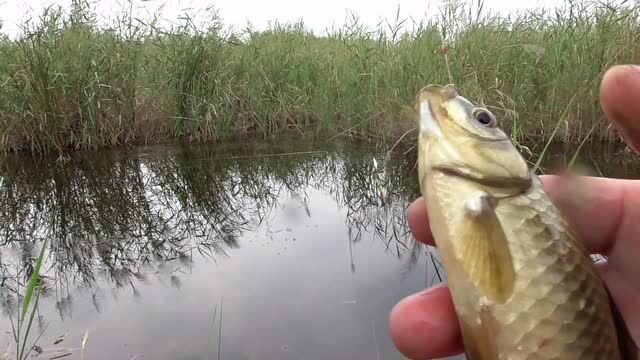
414,205
435,290
633,67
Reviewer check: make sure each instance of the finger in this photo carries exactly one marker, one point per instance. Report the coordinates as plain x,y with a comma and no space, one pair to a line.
419,221
600,209
620,95
425,326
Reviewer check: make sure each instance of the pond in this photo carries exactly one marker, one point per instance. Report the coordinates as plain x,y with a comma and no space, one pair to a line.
289,250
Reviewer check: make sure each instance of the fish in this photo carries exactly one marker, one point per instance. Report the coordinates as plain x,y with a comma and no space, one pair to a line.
524,286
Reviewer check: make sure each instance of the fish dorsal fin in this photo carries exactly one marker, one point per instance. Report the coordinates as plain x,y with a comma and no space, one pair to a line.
483,251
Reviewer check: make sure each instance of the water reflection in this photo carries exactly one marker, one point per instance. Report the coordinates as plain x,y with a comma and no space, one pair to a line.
121,221
255,251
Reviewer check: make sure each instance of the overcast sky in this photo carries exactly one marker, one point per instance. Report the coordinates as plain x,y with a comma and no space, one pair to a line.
317,15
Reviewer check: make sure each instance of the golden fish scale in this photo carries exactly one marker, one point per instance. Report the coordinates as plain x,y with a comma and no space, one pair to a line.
559,308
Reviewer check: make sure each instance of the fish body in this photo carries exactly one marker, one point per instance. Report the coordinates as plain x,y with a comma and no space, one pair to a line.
524,286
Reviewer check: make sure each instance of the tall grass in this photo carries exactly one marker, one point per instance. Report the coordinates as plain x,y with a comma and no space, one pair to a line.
67,82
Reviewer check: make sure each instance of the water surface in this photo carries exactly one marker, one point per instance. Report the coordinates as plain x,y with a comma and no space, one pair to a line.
221,252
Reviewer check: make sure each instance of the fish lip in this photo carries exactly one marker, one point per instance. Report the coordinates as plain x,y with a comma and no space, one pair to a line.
428,123
429,97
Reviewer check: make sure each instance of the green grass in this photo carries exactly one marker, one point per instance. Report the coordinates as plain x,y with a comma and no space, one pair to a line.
68,83
22,326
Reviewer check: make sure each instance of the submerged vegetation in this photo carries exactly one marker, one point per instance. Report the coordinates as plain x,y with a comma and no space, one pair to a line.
68,82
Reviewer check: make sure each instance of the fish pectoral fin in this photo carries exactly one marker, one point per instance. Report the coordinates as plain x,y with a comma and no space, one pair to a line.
484,253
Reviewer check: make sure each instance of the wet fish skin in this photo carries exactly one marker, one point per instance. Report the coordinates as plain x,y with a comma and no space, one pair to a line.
523,285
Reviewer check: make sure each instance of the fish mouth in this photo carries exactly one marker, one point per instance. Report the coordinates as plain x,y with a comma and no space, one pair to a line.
429,100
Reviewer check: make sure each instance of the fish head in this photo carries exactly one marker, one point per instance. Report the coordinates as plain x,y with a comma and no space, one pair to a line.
463,139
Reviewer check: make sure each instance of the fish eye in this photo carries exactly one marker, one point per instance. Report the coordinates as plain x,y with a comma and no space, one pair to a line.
484,117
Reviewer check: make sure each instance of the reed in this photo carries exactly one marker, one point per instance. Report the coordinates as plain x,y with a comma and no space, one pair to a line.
68,82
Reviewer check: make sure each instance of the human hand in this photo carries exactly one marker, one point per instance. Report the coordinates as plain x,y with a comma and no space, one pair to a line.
606,217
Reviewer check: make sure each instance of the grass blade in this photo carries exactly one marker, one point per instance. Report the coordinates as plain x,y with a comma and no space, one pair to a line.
33,280
575,155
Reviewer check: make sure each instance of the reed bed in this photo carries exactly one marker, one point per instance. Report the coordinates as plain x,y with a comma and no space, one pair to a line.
67,82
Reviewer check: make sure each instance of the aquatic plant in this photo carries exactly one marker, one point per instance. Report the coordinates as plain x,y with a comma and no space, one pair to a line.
21,327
